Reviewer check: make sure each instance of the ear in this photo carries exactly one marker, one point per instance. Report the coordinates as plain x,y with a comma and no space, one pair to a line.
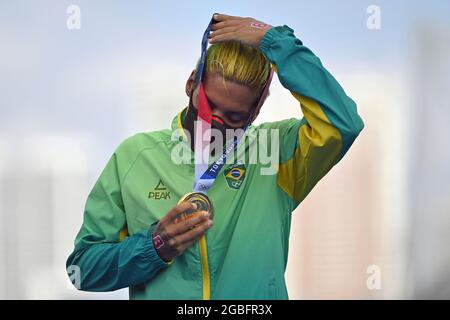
190,83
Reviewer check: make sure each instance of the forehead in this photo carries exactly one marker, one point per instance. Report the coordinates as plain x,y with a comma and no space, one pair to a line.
228,95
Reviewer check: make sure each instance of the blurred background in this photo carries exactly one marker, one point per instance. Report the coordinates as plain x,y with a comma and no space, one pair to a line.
69,96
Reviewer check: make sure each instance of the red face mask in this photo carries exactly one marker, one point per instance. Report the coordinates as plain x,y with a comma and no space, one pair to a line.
216,122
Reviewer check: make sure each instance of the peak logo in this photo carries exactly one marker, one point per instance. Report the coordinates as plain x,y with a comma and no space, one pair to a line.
159,192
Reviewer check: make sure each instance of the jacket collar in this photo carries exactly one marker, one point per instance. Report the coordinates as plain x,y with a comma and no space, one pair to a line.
177,120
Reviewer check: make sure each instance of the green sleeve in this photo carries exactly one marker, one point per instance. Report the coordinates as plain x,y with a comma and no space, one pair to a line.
309,146
105,258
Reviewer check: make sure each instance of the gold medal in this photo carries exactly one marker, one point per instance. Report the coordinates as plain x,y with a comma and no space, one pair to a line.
201,200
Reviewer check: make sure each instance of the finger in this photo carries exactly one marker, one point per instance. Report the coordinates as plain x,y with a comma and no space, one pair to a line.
176,245
195,233
223,24
223,17
187,224
222,37
219,25
222,31
186,245
175,211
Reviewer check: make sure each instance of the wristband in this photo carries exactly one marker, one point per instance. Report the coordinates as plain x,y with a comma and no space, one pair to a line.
158,243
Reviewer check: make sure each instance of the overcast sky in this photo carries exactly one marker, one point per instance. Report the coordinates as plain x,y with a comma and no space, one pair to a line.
125,69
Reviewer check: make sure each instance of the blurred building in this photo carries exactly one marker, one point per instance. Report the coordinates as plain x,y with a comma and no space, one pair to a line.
44,182
353,219
429,165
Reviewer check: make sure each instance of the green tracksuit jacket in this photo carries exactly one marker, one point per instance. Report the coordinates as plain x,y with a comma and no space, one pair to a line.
245,253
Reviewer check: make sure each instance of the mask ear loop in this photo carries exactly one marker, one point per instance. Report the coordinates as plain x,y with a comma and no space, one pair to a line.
262,99
218,119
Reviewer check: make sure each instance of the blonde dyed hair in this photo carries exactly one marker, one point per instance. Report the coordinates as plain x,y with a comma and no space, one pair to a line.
237,62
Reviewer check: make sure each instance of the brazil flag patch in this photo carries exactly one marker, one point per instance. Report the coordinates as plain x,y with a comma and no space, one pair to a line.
235,175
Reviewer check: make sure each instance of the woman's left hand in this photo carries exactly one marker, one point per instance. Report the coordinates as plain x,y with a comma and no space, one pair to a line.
246,30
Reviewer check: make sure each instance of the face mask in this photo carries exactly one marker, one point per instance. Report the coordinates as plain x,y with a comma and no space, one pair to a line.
191,117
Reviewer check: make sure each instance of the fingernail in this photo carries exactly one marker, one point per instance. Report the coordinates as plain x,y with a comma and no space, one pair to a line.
205,213
210,223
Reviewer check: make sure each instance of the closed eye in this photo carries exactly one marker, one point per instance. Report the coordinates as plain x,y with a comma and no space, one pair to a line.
232,117
236,116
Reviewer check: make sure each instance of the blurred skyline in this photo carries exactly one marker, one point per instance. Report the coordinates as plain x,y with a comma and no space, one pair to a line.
69,97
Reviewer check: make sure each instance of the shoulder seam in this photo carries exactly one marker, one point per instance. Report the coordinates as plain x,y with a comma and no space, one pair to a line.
137,157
